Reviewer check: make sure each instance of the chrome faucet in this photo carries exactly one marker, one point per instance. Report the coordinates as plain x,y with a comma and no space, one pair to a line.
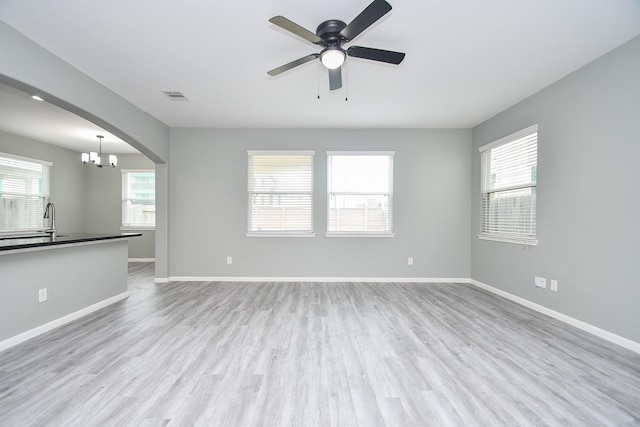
50,212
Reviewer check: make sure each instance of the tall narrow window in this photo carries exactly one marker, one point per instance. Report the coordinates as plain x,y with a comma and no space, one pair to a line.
360,193
509,178
24,192
138,198
280,193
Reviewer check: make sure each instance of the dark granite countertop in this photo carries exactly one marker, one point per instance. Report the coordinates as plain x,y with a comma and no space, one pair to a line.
35,240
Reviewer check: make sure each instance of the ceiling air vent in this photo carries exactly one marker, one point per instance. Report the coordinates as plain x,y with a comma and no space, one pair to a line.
174,95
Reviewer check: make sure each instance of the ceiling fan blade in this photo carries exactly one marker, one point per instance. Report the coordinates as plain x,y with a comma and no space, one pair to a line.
335,78
376,54
296,29
293,64
371,14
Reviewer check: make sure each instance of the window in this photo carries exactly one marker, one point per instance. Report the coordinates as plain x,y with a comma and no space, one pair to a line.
360,193
138,198
280,193
24,193
509,176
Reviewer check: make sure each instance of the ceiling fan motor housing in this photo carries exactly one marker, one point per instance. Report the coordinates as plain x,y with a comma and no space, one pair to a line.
329,32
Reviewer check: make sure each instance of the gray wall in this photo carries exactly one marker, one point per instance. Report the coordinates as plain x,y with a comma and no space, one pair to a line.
208,188
103,203
75,276
87,199
588,196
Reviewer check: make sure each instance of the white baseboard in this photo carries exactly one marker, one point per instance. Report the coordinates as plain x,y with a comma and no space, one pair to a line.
601,333
142,260
161,280
315,279
24,336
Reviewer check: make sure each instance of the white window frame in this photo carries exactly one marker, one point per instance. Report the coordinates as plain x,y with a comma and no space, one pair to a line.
487,189
126,225
331,192
252,193
44,196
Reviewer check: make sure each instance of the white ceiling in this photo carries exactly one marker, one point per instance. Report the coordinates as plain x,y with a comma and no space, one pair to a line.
466,60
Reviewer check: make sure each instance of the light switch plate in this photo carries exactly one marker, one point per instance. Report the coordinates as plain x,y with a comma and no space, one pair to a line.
540,282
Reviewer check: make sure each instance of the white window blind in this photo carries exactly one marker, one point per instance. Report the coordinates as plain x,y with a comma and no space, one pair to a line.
138,198
24,193
280,193
509,178
360,193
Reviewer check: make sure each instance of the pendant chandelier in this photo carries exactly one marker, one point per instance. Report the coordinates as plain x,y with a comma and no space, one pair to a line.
94,158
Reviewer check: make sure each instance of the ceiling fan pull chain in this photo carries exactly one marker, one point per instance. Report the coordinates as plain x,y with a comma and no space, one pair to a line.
346,83
318,81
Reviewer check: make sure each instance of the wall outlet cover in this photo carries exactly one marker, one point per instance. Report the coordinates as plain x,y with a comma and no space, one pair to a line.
554,285
42,295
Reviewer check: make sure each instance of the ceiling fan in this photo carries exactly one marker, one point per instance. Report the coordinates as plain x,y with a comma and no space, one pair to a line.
332,35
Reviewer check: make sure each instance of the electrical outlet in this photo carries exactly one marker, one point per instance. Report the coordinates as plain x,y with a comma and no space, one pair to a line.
554,285
540,282
229,260
42,295
410,261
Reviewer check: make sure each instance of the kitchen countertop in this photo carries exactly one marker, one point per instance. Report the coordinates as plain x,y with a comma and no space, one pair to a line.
40,240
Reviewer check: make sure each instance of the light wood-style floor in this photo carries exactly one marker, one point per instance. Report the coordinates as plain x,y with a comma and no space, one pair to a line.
316,354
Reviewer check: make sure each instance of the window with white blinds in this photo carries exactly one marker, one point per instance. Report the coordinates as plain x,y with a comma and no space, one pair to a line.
509,177
280,193
360,193
24,193
138,198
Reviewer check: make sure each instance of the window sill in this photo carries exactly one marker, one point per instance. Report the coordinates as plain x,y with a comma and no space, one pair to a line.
20,233
278,234
526,241
354,234
138,228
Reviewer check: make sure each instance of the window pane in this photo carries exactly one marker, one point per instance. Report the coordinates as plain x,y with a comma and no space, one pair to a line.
513,164
360,193
281,173
510,212
24,191
357,174
280,212
509,177
138,199
280,188
359,213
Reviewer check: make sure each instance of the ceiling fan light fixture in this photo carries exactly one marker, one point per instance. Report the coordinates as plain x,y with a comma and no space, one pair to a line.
332,57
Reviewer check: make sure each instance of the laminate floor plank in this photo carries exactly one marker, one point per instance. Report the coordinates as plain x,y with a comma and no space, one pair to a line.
316,354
